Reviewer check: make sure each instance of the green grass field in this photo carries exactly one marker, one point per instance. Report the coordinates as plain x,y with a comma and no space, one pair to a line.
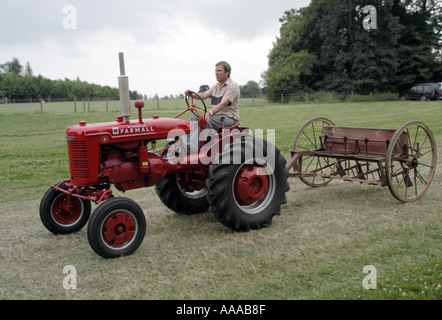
316,249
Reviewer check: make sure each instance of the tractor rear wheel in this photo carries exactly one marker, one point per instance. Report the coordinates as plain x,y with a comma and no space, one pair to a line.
117,228
62,215
174,195
248,192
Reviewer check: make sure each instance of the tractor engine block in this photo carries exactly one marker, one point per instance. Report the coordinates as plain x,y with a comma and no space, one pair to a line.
122,168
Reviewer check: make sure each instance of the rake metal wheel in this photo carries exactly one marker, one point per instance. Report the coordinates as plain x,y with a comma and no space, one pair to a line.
308,138
411,161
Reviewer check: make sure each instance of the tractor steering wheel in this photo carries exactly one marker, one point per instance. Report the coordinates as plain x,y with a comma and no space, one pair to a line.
193,105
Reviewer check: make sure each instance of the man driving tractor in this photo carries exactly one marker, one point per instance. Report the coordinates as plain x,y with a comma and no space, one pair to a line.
225,94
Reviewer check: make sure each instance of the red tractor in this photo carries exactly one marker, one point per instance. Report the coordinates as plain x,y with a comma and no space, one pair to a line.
242,180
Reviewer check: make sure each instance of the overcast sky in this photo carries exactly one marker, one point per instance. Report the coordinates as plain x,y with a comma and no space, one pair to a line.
169,45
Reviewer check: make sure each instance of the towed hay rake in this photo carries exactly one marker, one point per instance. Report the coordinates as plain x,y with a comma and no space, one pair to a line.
403,159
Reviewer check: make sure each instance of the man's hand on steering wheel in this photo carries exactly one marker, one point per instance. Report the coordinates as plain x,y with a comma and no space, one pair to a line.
192,94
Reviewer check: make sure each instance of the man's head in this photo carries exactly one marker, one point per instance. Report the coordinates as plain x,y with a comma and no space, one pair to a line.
222,71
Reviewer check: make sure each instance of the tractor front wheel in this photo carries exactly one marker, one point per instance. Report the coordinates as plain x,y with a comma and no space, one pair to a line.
62,213
117,228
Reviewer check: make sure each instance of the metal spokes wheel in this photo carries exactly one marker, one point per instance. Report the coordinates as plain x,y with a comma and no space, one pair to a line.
310,137
411,161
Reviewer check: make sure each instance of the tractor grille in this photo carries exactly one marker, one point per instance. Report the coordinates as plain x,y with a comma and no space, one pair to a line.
78,155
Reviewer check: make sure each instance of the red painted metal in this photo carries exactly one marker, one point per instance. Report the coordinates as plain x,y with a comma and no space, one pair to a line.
119,229
364,140
358,140
89,144
251,185
74,191
139,104
66,210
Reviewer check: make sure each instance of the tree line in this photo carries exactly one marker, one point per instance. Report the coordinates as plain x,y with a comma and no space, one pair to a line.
328,47
17,82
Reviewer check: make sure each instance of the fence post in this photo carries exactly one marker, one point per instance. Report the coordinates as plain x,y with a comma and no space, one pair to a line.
158,103
75,104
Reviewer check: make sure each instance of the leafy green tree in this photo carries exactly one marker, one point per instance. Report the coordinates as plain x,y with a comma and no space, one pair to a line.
419,51
286,75
134,95
10,86
47,88
352,58
29,87
293,61
327,46
28,70
12,66
251,89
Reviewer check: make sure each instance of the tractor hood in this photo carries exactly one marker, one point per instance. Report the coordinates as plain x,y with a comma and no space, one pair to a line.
155,128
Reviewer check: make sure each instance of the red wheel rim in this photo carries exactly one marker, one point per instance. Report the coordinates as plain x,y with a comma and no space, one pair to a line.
66,213
251,184
118,229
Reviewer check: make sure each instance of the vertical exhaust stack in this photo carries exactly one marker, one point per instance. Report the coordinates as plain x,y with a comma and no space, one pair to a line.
123,85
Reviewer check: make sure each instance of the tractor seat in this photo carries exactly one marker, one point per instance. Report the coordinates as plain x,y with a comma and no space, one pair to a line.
222,131
234,129
234,126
